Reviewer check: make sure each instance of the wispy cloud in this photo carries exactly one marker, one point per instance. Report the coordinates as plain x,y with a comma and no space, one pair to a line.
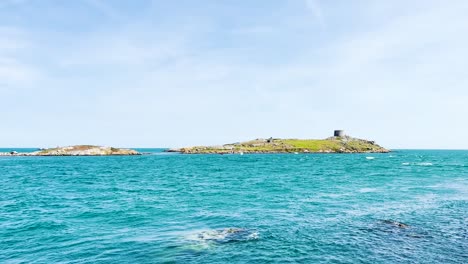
316,10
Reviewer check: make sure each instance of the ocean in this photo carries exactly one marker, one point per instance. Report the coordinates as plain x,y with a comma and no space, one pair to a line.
408,206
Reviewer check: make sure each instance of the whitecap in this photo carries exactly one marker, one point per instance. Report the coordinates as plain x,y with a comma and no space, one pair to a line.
417,164
370,158
424,164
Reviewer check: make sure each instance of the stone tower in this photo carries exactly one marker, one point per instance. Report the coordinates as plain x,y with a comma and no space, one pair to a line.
339,133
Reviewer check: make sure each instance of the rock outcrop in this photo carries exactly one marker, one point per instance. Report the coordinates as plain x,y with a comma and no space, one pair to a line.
80,150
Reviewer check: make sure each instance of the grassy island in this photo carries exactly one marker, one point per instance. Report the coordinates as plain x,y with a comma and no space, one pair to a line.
343,144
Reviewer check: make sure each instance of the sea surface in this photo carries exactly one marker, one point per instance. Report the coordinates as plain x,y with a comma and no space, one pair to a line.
408,206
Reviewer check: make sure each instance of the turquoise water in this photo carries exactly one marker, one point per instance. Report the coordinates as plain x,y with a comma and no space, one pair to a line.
170,208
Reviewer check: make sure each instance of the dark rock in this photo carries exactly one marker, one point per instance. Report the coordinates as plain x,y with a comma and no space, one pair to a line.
395,223
227,235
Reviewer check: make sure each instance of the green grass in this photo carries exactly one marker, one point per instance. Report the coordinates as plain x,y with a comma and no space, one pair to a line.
313,144
360,146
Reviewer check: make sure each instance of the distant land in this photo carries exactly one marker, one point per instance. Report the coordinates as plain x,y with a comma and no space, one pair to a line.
79,150
339,143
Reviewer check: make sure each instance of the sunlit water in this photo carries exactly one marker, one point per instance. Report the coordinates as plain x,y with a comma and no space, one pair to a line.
169,208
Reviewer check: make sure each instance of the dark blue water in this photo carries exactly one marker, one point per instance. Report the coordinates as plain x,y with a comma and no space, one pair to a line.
285,208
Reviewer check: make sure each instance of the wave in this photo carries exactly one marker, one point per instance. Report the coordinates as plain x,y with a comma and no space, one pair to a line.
417,163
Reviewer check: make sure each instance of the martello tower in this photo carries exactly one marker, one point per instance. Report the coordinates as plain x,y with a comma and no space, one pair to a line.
339,133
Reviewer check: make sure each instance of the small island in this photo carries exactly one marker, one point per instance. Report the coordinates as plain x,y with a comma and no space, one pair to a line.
339,143
79,150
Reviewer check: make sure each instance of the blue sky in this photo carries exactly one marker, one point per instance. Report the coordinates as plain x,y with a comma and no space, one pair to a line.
176,73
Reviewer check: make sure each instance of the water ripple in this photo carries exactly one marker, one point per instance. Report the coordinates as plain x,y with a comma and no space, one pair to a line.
299,208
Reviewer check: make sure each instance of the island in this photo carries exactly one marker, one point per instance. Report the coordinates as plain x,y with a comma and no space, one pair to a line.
79,150
339,143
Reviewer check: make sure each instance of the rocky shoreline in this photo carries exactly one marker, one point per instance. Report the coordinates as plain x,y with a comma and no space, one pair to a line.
79,150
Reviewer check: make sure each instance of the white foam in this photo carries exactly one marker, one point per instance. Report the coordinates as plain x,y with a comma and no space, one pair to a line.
198,235
254,235
370,158
211,235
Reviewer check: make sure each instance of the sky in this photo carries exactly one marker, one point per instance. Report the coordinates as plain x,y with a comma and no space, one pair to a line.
180,73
